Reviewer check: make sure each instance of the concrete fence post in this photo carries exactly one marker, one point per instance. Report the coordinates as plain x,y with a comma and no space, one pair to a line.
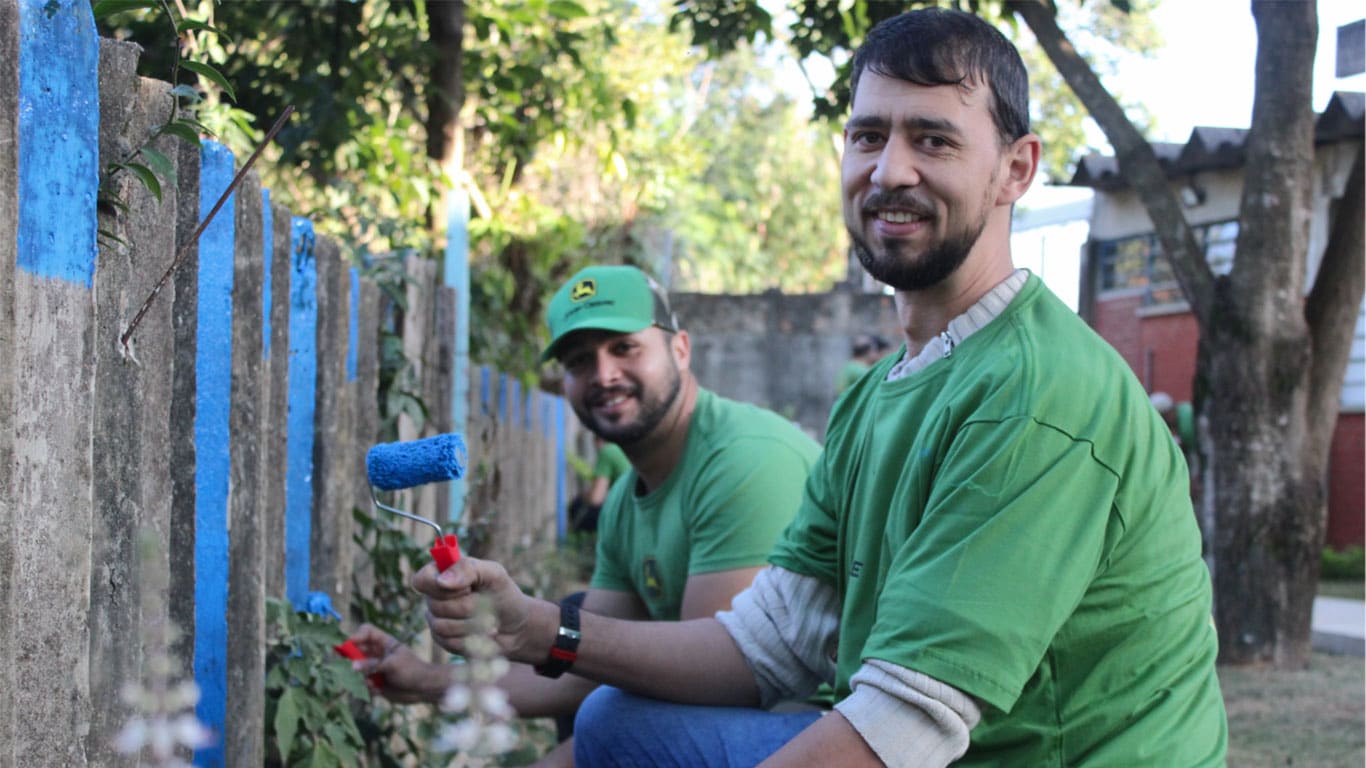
50,383
244,724
132,414
9,225
334,454
275,415
212,437
303,381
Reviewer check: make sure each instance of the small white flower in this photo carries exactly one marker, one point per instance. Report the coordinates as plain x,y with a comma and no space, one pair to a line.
133,736
190,732
494,701
461,737
500,737
457,698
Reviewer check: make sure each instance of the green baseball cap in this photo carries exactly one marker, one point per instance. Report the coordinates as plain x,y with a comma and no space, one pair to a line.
621,299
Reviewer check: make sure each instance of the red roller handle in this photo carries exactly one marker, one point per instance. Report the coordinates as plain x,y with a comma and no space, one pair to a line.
350,650
446,551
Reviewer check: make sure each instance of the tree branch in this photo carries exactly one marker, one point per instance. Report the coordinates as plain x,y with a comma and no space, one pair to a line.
1137,161
1332,305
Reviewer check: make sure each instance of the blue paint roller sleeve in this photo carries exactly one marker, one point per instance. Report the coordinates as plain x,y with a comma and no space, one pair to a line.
392,466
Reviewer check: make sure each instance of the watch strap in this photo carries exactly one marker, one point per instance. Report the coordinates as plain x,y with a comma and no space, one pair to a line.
564,651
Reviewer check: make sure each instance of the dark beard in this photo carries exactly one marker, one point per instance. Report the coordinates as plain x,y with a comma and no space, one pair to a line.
652,412
933,267
929,270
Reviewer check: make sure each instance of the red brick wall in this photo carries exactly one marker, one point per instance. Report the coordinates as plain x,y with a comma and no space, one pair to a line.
1114,321
1161,351
1346,494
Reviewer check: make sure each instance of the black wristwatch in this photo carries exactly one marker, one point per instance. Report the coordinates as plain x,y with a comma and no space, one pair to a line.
566,647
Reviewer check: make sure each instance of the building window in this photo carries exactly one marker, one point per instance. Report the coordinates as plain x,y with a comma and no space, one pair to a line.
1136,263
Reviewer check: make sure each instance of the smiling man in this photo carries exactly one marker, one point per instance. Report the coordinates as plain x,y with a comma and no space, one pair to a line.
712,484
995,561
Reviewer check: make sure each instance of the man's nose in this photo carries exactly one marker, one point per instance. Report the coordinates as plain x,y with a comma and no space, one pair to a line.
895,166
606,369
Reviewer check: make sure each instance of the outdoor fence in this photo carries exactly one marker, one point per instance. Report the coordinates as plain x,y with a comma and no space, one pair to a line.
223,417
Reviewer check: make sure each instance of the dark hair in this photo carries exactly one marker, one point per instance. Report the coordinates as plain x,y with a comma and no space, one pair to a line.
938,46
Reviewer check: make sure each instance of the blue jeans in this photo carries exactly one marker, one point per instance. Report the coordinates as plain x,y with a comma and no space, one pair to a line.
615,728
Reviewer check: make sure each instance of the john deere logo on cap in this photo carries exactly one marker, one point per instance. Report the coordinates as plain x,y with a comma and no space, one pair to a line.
583,289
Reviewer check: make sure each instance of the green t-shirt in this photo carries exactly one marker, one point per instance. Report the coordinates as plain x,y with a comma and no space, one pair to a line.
1014,520
849,373
611,462
737,486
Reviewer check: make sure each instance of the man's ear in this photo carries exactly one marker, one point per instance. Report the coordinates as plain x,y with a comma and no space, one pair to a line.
1021,162
681,346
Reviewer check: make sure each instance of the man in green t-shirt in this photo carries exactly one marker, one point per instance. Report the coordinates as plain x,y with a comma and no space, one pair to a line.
866,349
994,561
710,484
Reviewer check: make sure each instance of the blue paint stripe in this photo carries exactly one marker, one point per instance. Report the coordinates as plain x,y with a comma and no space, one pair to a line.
457,276
561,470
513,405
303,384
528,409
213,395
267,259
503,397
547,405
353,331
59,111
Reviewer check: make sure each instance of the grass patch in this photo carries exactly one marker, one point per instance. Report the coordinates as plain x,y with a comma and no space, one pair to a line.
1352,589
1313,717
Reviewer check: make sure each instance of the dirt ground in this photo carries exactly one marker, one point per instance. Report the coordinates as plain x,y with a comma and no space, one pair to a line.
1315,717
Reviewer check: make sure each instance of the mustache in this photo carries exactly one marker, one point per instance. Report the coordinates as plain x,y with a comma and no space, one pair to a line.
897,199
600,395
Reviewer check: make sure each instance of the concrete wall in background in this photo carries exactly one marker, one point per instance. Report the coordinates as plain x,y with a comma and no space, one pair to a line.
781,351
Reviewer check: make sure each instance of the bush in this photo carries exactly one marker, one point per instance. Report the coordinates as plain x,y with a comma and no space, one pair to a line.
1350,563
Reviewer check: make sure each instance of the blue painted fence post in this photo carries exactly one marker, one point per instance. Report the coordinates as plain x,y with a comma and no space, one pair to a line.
303,378
213,374
50,51
457,275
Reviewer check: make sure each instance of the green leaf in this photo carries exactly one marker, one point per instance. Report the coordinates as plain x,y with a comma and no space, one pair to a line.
181,130
110,7
104,234
200,26
145,175
286,723
159,163
184,91
209,73
566,9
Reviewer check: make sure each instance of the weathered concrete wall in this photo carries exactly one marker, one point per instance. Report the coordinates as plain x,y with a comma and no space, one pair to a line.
231,443
780,351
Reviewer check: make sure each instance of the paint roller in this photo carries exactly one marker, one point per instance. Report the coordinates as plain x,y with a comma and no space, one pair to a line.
408,464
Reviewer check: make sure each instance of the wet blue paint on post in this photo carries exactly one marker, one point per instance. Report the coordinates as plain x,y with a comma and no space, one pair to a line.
213,396
353,332
503,397
59,112
527,409
513,405
546,407
303,385
456,274
267,259
561,470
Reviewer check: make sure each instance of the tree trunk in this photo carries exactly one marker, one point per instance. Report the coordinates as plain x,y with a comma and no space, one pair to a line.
445,98
1270,365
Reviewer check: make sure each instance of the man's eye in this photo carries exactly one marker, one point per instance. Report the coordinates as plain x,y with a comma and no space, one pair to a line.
866,139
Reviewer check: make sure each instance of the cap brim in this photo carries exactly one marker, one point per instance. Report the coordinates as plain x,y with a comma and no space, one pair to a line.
614,324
